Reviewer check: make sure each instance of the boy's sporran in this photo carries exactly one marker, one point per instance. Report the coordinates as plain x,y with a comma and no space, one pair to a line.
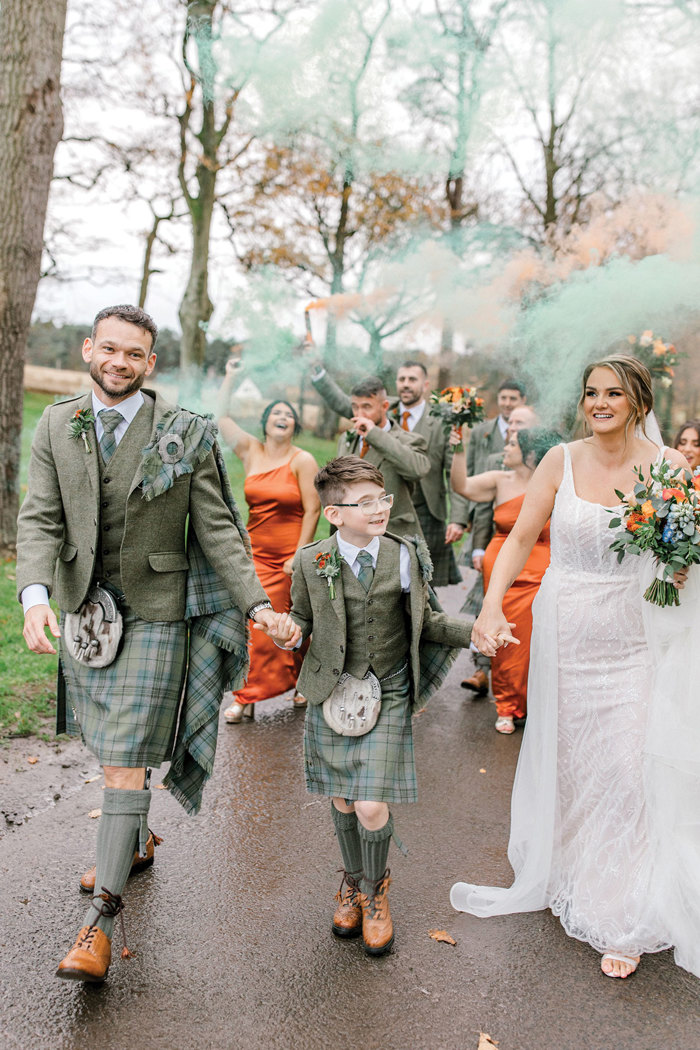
352,709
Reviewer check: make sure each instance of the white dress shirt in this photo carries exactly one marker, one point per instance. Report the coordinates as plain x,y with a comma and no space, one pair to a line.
415,413
36,593
349,552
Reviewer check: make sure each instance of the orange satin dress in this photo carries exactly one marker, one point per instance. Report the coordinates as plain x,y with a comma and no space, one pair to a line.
511,665
274,524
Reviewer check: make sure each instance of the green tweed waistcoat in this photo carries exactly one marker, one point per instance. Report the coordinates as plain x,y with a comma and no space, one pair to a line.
377,632
115,481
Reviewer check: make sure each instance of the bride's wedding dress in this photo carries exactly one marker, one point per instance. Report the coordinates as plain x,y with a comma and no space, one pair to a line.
584,842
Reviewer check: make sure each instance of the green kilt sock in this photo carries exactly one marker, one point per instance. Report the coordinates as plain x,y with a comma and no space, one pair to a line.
346,825
375,850
123,826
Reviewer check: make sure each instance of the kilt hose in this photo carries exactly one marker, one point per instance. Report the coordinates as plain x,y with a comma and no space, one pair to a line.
127,713
376,767
445,569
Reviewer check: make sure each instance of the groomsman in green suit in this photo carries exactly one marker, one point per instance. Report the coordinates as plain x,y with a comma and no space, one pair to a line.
127,490
401,456
410,411
363,597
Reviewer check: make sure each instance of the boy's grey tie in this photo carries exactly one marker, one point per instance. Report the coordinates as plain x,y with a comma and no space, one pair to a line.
366,573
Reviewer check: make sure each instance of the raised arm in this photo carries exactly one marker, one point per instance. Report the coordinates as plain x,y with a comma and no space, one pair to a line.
481,488
491,628
332,394
238,439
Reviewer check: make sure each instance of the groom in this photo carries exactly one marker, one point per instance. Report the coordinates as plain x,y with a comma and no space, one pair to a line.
126,490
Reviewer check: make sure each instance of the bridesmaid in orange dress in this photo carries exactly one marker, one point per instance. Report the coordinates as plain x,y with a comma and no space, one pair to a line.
506,490
284,511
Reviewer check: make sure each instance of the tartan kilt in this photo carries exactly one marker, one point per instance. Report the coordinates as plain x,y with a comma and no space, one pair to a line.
127,713
445,569
376,767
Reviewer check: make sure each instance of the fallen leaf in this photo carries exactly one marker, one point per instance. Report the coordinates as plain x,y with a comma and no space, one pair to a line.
91,780
32,760
94,813
441,935
160,787
485,1041
482,770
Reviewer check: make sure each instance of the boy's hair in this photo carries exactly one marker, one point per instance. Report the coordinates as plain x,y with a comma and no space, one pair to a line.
372,386
332,480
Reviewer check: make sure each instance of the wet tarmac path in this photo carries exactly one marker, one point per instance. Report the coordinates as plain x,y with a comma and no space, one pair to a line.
231,927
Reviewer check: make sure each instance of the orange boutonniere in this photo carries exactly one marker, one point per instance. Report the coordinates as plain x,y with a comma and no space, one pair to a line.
328,566
80,425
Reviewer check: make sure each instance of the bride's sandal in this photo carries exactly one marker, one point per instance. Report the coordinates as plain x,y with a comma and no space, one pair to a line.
627,960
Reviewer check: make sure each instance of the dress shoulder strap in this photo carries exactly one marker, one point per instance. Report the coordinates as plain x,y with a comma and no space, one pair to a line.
568,476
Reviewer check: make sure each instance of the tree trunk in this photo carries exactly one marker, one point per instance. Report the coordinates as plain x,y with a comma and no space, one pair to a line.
196,306
31,125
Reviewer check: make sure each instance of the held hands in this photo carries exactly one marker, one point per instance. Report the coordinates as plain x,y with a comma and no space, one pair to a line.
35,621
287,566
278,626
680,578
491,630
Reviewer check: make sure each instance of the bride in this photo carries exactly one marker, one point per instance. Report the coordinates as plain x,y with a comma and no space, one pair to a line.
582,841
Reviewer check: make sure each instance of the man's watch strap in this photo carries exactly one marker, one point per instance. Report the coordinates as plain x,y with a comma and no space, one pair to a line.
257,607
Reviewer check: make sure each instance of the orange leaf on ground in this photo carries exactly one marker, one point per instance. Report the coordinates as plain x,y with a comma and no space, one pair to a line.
91,780
94,813
441,935
160,787
482,770
485,1041
32,760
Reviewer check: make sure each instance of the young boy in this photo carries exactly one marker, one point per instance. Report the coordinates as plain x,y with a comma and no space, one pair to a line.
363,597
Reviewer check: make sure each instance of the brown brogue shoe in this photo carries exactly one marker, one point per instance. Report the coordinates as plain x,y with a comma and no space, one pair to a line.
89,958
478,683
347,920
87,882
377,927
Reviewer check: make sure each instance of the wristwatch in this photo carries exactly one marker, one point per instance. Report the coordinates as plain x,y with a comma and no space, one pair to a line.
256,608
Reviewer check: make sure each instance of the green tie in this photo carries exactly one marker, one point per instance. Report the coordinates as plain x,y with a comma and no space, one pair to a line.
110,420
366,573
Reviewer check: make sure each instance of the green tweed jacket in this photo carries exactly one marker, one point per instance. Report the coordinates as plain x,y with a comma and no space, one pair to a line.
434,636
59,525
433,485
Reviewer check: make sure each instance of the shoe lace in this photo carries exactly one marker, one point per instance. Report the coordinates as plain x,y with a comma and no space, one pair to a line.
352,893
111,906
375,903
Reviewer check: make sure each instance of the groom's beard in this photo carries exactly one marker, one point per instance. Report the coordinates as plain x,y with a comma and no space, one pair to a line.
125,391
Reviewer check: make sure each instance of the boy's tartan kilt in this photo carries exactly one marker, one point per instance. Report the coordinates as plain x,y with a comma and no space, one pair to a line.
442,555
127,712
376,767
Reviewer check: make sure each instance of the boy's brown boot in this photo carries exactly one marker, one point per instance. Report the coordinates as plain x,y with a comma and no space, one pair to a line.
377,927
89,958
347,921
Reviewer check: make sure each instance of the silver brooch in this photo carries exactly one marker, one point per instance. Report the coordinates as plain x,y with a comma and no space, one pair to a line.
171,448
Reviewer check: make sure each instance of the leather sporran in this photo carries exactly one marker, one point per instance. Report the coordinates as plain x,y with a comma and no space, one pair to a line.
353,707
93,634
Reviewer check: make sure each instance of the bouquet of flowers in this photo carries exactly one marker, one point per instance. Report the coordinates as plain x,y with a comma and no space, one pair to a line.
457,406
662,515
659,357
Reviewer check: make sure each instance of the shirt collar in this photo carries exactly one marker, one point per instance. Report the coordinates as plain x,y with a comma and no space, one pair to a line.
415,411
349,551
128,407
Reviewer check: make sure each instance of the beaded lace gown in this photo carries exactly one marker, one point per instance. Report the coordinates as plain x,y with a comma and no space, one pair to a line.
581,842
